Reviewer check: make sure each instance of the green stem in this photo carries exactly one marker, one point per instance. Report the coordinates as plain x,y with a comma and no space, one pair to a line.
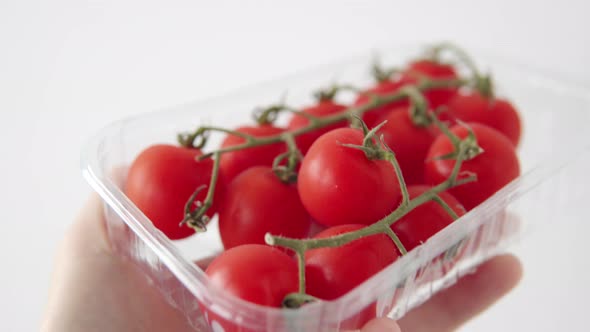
398,243
382,74
390,156
446,207
288,174
301,265
460,54
270,114
294,153
483,83
197,219
317,123
461,154
247,137
455,140
344,238
418,107
188,206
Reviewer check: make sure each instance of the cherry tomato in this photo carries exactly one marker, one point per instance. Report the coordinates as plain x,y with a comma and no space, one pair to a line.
495,167
434,70
322,109
257,202
232,163
161,180
497,113
409,142
339,184
332,272
374,116
253,272
256,273
426,220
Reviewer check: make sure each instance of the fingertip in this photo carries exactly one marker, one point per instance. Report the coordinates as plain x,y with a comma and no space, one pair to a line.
472,294
88,231
91,209
382,324
506,270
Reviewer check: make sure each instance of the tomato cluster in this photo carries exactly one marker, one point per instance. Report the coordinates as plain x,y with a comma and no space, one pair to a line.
342,179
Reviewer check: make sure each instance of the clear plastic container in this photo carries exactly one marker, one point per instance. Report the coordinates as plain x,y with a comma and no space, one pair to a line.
554,154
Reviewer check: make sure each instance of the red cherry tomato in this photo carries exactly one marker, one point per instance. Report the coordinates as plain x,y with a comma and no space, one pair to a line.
495,167
253,272
256,273
322,109
374,116
161,180
409,142
332,272
257,202
232,163
497,113
434,70
426,220
340,185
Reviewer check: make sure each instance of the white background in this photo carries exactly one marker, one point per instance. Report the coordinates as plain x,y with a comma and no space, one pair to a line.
67,68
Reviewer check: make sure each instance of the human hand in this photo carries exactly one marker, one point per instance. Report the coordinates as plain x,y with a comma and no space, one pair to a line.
93,289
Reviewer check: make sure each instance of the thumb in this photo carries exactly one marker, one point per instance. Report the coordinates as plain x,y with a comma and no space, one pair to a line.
381,325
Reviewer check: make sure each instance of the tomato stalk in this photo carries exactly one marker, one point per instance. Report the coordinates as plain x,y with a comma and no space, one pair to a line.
374,151
398,243
445,206
196,218
288,173
470,142
302,245
200,135
331,92
382,74
483,83
268,115
418,106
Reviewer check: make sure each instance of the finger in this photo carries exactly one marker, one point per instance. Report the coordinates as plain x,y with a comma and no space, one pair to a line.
88,233
473,293
93,289
381,325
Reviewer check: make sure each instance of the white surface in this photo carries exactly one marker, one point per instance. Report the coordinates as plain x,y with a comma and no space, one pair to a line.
69,67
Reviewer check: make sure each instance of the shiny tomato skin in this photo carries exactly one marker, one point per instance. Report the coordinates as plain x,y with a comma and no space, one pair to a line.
256,273
426,220
235,162
257,202
434,70
340,185
161,180
332,272
495,167
374,116
322,109
409,142
498,113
